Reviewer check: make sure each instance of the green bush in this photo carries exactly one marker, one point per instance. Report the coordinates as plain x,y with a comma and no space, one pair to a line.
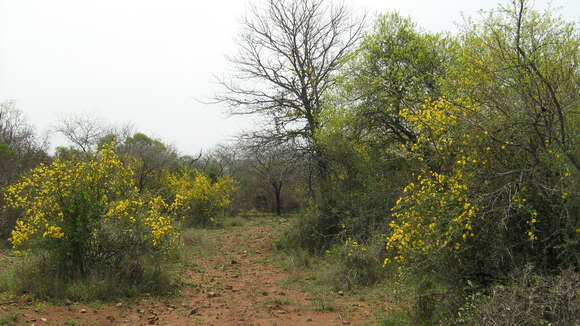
401,318
313,231
37,275
358,264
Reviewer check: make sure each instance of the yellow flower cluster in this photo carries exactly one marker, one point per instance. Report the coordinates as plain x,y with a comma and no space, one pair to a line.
197,195
438,125
353,247
154,214
435,212
46,195
438,209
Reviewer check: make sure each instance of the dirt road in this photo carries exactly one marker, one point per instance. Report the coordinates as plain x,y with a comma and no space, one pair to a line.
232,276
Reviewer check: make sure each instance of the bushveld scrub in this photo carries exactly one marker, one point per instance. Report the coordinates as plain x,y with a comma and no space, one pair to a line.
86,219
497,184
20,150
476,160
447,164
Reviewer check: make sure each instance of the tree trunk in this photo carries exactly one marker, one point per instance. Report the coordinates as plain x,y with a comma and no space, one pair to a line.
278,194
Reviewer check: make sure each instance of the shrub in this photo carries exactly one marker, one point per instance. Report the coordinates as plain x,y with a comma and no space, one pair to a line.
88,215
37,275
313,231
358,264
402,318
199,200
481,206
455,214
529,299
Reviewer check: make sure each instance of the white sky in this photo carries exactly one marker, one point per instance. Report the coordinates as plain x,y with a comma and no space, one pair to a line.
147,61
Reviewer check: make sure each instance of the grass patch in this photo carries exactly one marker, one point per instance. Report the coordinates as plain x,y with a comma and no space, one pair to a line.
233,222
96,304
281,302
398,318
323,303
9,319
402,318
295,260
36,276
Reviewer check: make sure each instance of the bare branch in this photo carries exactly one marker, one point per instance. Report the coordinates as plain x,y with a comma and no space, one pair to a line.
289,53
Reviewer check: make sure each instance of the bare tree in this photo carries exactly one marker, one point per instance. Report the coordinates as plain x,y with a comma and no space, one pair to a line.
20,150
83,131
277,165
86,132
16,132
289,52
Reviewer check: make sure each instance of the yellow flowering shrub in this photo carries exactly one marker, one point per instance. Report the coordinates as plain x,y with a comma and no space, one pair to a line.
83,210
477,180
197,198
437,209
152,213
435,212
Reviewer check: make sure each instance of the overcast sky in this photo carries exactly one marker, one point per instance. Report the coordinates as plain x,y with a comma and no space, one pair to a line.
147,61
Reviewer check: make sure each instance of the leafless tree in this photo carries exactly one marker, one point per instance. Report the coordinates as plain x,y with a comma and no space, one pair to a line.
278,166
189,161
289,53
20,150
16,132
83,131
86,132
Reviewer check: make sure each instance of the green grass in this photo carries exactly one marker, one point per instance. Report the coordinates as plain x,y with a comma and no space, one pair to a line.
323,303
96,304
281,302
36,277
233,222
401,318
9,319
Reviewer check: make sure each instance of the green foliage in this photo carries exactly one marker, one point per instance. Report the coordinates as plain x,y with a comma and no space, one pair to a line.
69,153
401,318
491,170
9,319
5,150
468,147
149,158
498,182
395,67
308,232
361,176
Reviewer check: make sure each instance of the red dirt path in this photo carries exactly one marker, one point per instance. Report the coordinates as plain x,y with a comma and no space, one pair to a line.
234,283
